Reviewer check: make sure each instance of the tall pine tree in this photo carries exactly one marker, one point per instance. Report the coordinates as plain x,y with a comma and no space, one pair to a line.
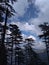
6,10
45,36
17,39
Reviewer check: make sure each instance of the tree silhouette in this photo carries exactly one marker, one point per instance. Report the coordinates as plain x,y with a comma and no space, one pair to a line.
9,47
6,10
2,48
20,56
17,38
5,7
45,36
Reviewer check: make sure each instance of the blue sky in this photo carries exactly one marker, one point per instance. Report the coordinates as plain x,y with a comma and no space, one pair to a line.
29,15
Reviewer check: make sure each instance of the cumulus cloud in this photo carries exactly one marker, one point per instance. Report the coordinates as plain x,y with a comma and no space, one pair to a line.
44,12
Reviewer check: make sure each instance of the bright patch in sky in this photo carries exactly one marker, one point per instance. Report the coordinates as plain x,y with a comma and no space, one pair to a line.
32,37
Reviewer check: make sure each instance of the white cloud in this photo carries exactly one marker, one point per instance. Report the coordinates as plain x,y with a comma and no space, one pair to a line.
28,27
44,12
20,6
31,36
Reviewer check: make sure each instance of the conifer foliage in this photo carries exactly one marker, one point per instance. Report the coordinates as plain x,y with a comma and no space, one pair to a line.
45,36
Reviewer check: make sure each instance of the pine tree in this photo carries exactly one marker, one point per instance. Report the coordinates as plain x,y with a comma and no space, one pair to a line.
6,10
2,48
5,7
45,36
17,38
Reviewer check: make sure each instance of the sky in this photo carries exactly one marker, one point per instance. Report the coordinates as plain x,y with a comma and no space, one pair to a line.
29,15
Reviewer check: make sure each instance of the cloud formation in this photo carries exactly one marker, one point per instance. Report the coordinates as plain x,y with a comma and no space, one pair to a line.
44,12
32,24
43,16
